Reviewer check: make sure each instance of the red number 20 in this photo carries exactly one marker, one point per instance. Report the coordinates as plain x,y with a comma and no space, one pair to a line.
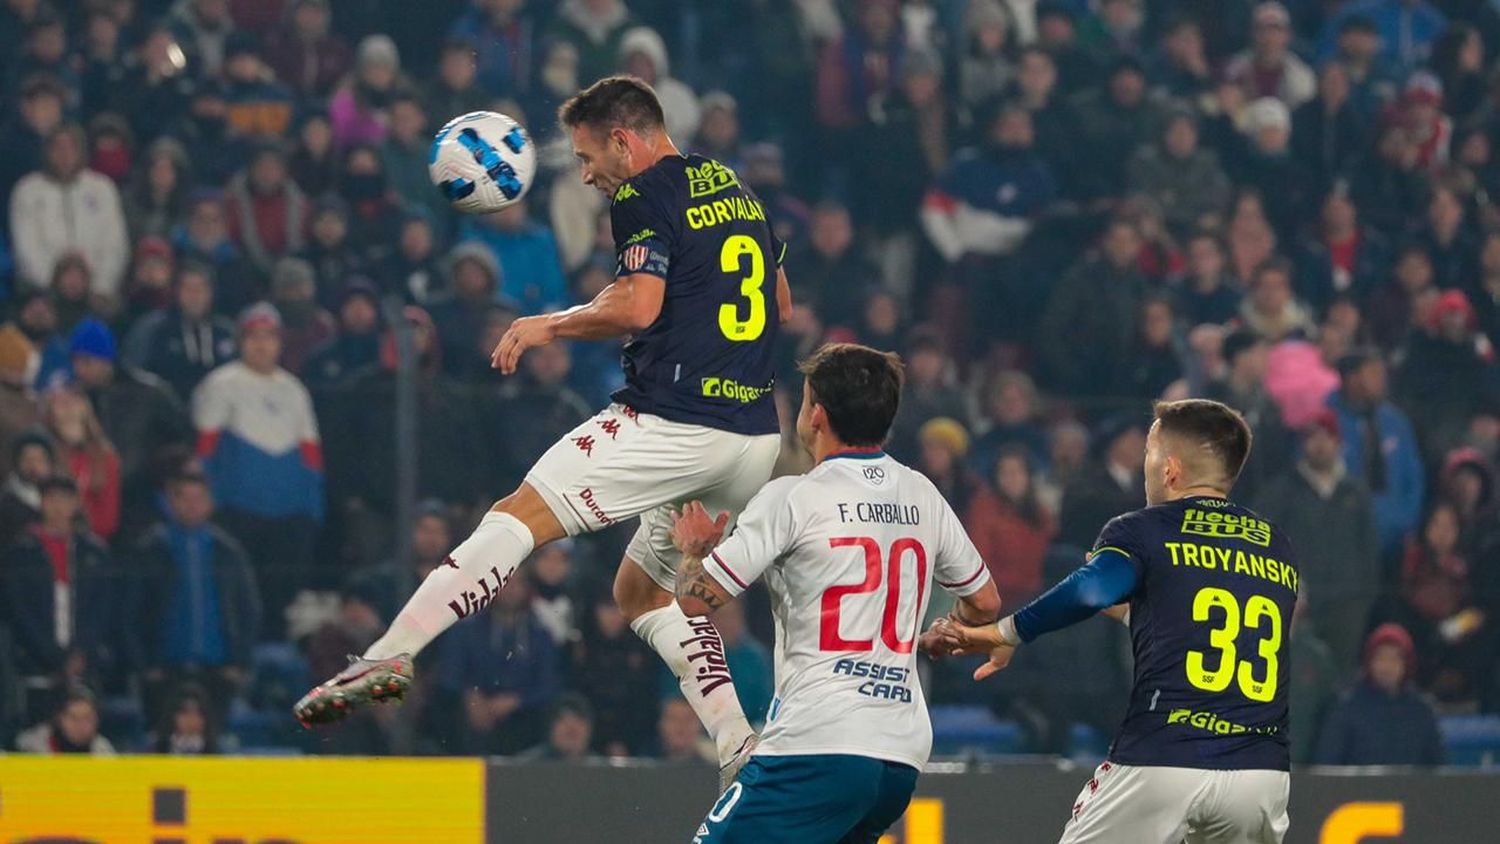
829,638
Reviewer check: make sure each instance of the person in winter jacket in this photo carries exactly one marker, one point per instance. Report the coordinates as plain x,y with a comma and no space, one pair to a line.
1380,447
67,209
1382,720
644,54
268,213
185,342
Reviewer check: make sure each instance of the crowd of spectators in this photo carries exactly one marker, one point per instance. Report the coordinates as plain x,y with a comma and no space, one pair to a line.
1056,210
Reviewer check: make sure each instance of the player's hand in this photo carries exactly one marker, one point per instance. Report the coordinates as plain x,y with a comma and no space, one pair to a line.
999,658
935,642
963,639
525,333
695,532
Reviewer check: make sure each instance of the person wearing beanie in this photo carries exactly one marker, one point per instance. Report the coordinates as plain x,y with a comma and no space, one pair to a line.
18,369
258,439
1330,519
597,29
1383,720
1269,68
360,110
187,340
305,325
138,411
356,347
473,282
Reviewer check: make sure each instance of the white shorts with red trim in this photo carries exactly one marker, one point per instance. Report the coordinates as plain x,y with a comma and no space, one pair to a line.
621,464
1129,804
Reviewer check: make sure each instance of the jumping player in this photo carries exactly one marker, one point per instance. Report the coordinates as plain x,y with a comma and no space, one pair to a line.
849,552
1202,754
700,293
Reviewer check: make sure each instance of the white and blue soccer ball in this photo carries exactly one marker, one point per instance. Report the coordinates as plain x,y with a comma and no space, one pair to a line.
482,162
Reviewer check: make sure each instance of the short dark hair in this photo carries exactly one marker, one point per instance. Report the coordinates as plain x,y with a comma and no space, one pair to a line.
188,477
614,102
858,387
1213,426
58,483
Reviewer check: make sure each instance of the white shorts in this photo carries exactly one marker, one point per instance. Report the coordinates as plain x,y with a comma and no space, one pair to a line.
1125,804
622,464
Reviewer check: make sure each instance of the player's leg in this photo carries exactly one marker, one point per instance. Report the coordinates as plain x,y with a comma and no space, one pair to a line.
1123,804
897,783
810,799
1243,807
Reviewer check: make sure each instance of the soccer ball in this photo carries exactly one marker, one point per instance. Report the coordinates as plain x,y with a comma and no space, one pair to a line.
482,162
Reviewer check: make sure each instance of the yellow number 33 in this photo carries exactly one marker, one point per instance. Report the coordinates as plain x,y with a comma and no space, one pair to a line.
1258,609
732,261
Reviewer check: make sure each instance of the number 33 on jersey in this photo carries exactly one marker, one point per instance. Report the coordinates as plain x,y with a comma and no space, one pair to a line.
708,358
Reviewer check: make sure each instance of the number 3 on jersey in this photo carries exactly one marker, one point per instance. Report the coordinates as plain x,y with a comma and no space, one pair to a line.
1257,609
830,634
732,258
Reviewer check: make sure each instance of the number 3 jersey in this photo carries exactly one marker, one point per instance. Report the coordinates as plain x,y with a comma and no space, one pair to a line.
708,359
850,552
1210,622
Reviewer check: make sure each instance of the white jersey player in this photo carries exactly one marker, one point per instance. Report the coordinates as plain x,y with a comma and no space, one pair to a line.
850,552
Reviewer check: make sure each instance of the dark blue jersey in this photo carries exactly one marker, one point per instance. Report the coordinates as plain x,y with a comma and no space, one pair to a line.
708,358
1209,623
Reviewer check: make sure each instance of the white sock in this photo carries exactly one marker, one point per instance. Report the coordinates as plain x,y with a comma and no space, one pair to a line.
695,653
461,586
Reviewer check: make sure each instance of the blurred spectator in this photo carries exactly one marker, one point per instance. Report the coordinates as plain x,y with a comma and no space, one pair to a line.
1382,720
1379,447
148,290
156,201
1458,62
1113,122
413,269
188,727
65,209
472,286
503,667
859,67
986,62
88,455
1449,242
62,595
1315,678
527,253
570,732
1405,29
36,316
205,240
305,325
1438,607
186,341
1269,68
71,280
1023,528
596,28
259,443
1329,517
303,52
1207,293
1108,485
1099,298
1052,118
1392,307
312,163
928,393
1268,165
749,662
616,671
1243,387
1180,66
45,51
194,610
1011,412
403,160
643,54
1446,374
1057,34
388,584
331,251
502,39
1157,362
552,576
908,141
268,213
256,105
556,81
39,112
1329,131
528,414
984,203
32,457
830,270
1181,177
73,728
679,735
1343,258
204,27
152,86
1271,309
18,367
374,208
356,346
455,91
358,111
138,411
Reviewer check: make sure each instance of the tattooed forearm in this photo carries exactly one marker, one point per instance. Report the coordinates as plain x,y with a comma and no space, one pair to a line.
696,590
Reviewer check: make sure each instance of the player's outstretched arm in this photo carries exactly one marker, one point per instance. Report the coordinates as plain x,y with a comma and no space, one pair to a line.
696,533
629,305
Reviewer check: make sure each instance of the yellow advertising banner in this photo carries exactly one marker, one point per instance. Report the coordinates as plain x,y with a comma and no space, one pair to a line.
155,800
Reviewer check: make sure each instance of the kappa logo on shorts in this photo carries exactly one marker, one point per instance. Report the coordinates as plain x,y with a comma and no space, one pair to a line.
610,426
585,444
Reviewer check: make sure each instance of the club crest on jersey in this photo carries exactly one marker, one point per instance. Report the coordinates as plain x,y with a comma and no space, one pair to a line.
635,256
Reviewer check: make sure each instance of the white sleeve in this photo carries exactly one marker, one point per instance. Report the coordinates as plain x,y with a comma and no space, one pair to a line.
959,568
211,408
33,264
766,530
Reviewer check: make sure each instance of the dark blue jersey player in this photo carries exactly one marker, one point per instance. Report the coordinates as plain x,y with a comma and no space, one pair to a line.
1210,587
700,294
